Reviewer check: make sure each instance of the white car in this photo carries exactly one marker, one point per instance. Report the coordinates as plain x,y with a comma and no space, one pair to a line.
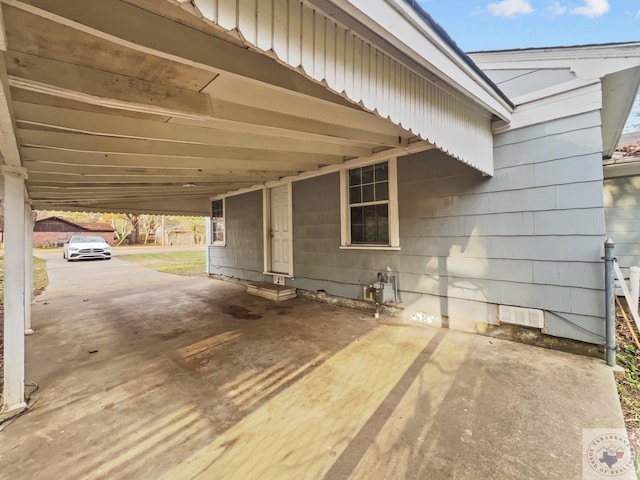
82,247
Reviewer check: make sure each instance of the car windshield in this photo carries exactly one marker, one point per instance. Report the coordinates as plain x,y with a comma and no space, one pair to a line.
86,239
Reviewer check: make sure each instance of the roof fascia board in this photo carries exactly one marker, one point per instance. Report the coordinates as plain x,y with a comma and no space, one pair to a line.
573,101
587,62
409,38
553,90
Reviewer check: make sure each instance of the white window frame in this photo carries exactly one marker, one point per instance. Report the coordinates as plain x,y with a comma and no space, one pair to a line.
345,210
224,216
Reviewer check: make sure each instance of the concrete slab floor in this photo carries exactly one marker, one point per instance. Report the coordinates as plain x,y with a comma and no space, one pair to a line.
191,378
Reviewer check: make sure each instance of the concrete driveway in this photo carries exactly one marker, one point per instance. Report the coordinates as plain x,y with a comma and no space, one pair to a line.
146,375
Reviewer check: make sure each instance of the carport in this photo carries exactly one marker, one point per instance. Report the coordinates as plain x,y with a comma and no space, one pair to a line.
184,378
158,106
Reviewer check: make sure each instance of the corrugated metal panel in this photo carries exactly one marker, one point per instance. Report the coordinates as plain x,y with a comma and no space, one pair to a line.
306,39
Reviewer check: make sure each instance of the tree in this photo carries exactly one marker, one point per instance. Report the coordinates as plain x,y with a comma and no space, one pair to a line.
148,224
134,232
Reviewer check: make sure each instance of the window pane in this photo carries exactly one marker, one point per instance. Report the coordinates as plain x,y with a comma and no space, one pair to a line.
216,208
355,195
367,193
354,177
356,215
382,216
382,191
356,234
367,174
370,225
382,171
217,225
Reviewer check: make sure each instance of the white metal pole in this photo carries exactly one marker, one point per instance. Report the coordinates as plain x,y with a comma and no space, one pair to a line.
634,280
28,267
208,241
14,315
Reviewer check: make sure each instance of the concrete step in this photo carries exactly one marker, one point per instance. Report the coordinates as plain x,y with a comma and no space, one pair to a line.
278,293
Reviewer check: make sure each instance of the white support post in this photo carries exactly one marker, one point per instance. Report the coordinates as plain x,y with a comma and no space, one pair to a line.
28,267
208,241
14,298
634,284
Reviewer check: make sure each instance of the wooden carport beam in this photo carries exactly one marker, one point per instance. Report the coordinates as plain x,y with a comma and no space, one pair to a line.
9,154
103,124
133,27
120,179
177,173
61,79
95,159
120,23
96,143
95,87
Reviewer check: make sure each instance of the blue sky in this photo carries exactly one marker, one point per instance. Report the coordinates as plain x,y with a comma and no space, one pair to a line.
503,24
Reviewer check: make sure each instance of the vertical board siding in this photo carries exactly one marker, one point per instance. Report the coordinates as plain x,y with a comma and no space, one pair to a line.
242,257
306,39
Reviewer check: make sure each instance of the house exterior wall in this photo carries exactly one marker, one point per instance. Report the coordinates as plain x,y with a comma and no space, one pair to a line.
242,256
621,198
531,236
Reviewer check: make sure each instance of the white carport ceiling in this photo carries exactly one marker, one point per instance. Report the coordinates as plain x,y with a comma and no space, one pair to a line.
140,106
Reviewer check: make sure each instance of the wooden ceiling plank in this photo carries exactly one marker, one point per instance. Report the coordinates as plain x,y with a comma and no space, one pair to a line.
46,167
67,157
52,77
246,114
56,178
97,123
140,30
105,145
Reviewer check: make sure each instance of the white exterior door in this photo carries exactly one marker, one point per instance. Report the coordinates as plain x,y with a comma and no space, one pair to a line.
279,231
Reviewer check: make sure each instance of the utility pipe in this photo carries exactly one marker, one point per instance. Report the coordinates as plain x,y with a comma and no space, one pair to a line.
610,312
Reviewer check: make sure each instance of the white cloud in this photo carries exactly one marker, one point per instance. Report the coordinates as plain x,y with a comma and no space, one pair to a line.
638,14
592,8
556,9
509,8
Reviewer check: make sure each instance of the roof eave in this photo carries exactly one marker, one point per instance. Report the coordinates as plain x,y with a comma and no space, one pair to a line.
409,34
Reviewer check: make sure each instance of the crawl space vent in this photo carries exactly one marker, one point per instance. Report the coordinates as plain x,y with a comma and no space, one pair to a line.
527,317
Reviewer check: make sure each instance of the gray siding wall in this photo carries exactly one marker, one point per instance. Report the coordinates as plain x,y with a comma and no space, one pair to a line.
530,236
243,255
622,211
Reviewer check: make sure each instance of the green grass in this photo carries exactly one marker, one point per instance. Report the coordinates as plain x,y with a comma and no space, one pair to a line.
40,278
191,264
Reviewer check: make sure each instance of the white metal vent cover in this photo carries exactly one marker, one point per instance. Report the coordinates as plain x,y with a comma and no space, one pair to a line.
528,317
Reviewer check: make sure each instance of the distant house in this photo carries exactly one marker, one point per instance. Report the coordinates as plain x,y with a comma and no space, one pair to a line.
54,231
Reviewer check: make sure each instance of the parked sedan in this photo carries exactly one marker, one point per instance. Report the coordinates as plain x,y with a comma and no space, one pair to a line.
82,247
